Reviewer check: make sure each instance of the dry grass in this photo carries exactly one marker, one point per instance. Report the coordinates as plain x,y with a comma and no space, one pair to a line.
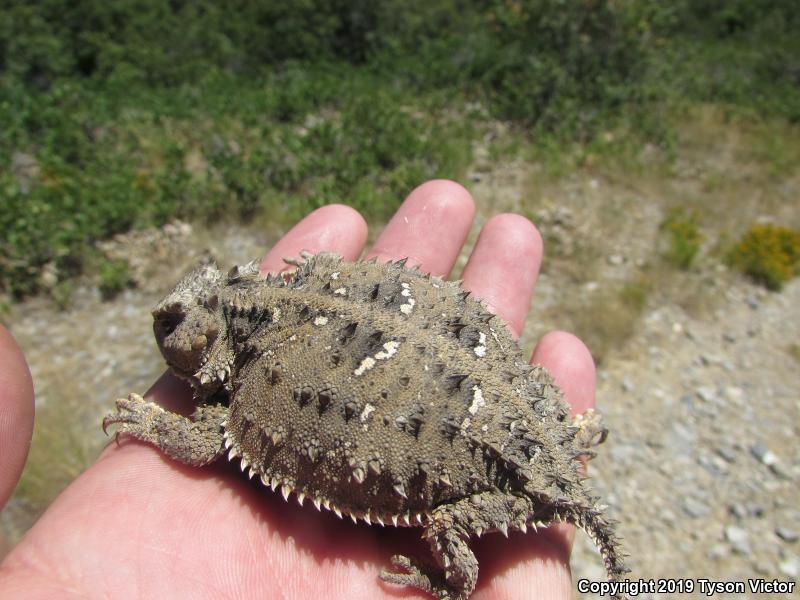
671,213
607,319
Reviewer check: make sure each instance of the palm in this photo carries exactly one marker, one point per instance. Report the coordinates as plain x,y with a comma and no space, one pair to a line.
136,524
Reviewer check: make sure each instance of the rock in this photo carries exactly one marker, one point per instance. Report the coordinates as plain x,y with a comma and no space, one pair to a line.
786,534
49,275
790,567
763,454
627,385
707,393
695,508
708,360
727,453
713,464
717,551
616,260
734,394
763,567
738,539
26,169
739,510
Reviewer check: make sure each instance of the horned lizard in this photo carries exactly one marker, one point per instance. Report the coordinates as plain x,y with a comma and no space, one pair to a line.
377,392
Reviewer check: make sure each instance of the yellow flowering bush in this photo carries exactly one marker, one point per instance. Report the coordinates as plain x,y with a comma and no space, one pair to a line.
769,254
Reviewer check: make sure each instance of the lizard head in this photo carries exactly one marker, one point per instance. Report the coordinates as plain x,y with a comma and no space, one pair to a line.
190,329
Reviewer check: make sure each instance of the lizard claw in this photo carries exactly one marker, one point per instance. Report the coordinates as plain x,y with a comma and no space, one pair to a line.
408,573
132,413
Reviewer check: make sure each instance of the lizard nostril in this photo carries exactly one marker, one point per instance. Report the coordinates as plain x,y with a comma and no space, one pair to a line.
169,323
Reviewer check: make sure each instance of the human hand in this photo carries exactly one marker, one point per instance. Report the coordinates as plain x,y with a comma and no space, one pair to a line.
137,524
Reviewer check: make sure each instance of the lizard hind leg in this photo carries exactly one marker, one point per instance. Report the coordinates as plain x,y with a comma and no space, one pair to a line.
448,533
196,440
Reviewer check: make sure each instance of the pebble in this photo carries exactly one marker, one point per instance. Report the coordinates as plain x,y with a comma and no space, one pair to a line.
738,539
763,454
707,393
694,508
717,551
734,393
786,534
780,471
727,453
708,360
627,385
739,510
616,260
790,567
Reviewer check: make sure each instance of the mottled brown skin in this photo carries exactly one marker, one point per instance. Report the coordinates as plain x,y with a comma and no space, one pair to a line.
377,392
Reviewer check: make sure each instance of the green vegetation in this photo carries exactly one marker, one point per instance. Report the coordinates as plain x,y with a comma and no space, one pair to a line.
794,351
128,114
683,238
114,277
769,254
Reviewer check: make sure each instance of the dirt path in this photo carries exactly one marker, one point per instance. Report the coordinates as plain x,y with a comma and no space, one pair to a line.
700,386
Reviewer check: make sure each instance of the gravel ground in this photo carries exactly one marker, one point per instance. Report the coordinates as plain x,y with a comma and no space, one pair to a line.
702,464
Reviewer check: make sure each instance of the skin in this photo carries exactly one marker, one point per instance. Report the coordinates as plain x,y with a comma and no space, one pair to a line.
136,524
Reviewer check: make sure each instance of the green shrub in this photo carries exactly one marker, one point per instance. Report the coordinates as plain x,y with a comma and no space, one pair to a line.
683,238
114,276
769,254
291,104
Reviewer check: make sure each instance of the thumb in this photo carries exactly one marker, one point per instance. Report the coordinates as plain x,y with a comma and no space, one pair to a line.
16,413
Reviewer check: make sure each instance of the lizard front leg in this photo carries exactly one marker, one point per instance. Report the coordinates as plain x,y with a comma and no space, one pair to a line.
196,440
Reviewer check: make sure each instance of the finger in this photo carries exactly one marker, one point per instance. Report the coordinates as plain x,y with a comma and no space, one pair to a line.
429,228
16,413
571,365
503,267
335,228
